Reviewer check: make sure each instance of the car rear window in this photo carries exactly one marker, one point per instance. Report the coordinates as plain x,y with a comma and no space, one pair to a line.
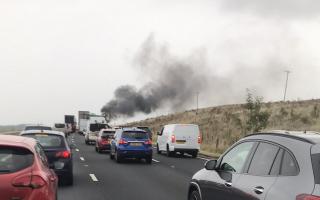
60,125
97,127
13,159
38,128
107,134
135,135
48,140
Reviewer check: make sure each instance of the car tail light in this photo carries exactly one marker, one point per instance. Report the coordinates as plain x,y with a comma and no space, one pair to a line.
122,141
148,142
33,181
105,141
199,139
307,197
173,138
63,154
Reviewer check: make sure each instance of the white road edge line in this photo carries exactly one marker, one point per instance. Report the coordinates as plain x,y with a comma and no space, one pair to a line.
154,160
203,159
93,177
82,158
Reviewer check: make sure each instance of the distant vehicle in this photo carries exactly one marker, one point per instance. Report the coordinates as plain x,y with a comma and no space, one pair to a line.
131,143
60,127
24,170
96,123
84,119
182,138
104,139
57,151
37,127
146,129
70,122
268,166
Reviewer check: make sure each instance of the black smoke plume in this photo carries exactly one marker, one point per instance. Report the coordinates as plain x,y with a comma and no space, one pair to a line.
172,82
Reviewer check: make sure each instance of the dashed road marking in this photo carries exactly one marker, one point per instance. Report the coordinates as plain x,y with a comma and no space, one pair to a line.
82,158
86,165
77,149
93,177
154,160
203,159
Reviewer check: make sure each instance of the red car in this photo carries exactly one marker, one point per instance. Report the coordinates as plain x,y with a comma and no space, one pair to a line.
103,140
24,170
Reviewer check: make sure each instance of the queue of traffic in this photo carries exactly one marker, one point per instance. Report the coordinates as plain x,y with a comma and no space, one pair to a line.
271,165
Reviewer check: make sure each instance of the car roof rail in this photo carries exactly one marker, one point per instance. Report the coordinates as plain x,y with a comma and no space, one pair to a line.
286,134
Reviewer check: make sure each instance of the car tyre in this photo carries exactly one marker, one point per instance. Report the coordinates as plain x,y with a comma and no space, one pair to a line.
118,157
194,154
111,155
169,153
69,180
158,150
195,195
149,160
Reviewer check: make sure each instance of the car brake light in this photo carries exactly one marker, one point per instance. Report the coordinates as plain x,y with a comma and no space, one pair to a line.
148,142
29,181
173,138
63,154
199,139
307,197
122,141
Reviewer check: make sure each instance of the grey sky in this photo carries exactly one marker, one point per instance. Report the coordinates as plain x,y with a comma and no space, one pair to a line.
58,57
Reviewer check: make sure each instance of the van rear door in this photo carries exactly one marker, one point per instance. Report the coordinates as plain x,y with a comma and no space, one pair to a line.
186,136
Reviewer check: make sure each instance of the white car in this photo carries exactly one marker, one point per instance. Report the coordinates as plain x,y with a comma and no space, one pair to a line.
182,138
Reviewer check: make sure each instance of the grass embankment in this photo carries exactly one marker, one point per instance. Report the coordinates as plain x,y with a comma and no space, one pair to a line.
221,126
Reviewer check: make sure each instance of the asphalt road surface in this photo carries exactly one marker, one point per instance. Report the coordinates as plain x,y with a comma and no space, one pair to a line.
96,177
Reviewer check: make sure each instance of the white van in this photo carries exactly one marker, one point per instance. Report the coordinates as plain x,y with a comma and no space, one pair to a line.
182,138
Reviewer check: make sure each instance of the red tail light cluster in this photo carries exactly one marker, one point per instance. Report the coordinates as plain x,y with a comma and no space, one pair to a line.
148,142
122,141
32,181
173,138
199,139
105,141
63,154
307,197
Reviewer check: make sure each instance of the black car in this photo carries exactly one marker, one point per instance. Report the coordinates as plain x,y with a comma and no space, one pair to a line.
57,151
270,166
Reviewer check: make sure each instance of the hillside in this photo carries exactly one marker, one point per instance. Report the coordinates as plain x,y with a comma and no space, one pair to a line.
221,126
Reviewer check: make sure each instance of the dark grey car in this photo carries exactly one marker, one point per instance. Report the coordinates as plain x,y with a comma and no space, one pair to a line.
271,166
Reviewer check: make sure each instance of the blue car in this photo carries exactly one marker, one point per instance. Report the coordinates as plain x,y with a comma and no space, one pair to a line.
131,143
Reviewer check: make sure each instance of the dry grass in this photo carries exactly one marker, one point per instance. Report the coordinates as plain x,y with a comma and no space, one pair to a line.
223,125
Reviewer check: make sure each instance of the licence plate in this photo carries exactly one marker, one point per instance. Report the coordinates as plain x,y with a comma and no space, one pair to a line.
180,141
137,144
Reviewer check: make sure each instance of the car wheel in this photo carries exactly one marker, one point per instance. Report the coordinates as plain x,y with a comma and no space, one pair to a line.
96,149
182,153
194,195
149,160
118,157
86,142
69,179
158,150
194,154
111,155
169,154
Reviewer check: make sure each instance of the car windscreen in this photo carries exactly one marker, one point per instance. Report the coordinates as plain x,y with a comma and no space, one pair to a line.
13,159
97,127
59,125
107,134
48,140
38,128
134,135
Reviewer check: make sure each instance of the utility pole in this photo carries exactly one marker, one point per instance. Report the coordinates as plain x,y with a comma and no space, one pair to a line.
286,86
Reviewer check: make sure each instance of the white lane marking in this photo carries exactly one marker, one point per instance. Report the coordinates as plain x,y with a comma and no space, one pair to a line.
203,159
77,149
93,177
82,158
154,160
86,165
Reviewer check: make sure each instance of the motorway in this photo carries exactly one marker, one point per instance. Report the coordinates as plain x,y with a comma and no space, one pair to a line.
96,177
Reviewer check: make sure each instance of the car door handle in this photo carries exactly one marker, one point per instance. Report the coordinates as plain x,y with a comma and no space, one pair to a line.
258,190
228,184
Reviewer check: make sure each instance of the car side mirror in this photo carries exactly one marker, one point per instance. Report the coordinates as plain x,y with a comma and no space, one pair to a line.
158,133
211,165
